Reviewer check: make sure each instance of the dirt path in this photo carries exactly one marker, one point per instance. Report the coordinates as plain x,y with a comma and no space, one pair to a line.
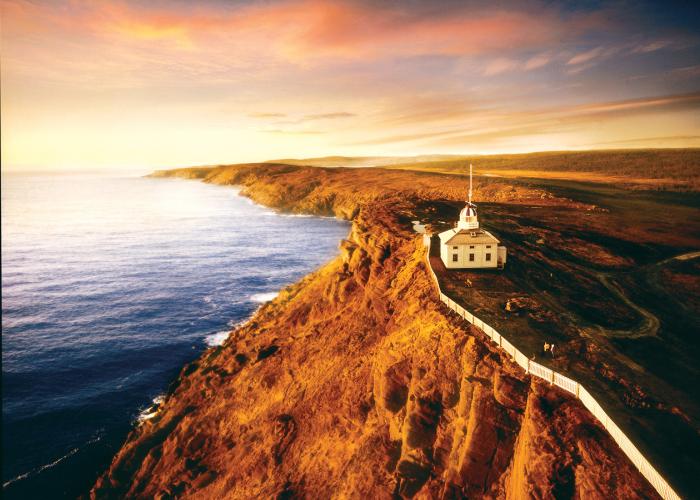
650,324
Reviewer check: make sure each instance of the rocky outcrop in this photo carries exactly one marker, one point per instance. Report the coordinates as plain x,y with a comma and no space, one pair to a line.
357,383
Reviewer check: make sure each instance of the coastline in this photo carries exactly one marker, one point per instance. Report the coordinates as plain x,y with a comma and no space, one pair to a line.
169,263
215,340
218,339
412,388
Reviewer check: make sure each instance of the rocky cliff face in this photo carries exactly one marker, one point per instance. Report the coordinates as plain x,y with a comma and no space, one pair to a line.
357,383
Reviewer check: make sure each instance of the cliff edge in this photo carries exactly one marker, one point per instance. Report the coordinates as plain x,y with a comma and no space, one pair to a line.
357,383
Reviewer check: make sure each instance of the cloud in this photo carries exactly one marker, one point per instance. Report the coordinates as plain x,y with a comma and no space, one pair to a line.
556,120
297,31
503,64
415,72
291,132
500,65
585,60
687,71
266,115
358,30
651,46
337,115
498,124
691,100
585,56
537,61
328,116
575,70
402,138
685,140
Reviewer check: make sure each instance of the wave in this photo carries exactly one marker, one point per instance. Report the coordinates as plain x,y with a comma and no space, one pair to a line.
216,339
42,468
152,410
263,297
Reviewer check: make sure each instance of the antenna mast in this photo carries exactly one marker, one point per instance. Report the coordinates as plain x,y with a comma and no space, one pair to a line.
470,183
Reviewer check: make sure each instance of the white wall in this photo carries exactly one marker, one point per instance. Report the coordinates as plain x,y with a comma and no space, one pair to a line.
463,251
502,254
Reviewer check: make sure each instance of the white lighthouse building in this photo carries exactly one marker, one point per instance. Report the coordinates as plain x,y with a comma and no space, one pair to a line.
468,246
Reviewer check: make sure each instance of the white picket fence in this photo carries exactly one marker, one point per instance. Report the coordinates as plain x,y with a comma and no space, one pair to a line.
536,369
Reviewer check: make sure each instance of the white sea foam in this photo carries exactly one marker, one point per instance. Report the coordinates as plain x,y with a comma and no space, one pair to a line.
216,339
152,410
263,297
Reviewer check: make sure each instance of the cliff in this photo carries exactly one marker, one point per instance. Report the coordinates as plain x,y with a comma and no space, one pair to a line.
357,383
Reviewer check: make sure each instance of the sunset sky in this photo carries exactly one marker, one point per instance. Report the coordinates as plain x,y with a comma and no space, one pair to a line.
145,84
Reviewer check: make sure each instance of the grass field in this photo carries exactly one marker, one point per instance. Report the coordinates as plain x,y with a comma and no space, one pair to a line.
607,286
665,169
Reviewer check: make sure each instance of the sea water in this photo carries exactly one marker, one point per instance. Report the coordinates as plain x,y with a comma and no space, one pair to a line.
110,284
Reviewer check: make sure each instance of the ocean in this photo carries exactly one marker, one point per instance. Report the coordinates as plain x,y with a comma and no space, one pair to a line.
110,284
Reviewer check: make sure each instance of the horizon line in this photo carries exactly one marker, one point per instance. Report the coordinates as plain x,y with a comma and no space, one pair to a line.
447,156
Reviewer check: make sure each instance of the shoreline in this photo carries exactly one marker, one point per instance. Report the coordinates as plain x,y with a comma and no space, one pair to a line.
263,298
210,302
220,338
366,328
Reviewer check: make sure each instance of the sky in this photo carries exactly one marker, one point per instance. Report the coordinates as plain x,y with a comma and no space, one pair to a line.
156,84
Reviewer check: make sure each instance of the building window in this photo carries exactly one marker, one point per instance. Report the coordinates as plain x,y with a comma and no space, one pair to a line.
455,248
471,246
454,257
488,246
471,257
488,257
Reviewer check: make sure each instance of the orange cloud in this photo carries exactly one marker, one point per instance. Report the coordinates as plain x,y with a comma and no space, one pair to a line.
500,65
347,30
471,126
537,61
394,73
304,30
691,100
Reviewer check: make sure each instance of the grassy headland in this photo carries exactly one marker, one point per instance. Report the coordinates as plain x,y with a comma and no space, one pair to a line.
654,169
357,382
